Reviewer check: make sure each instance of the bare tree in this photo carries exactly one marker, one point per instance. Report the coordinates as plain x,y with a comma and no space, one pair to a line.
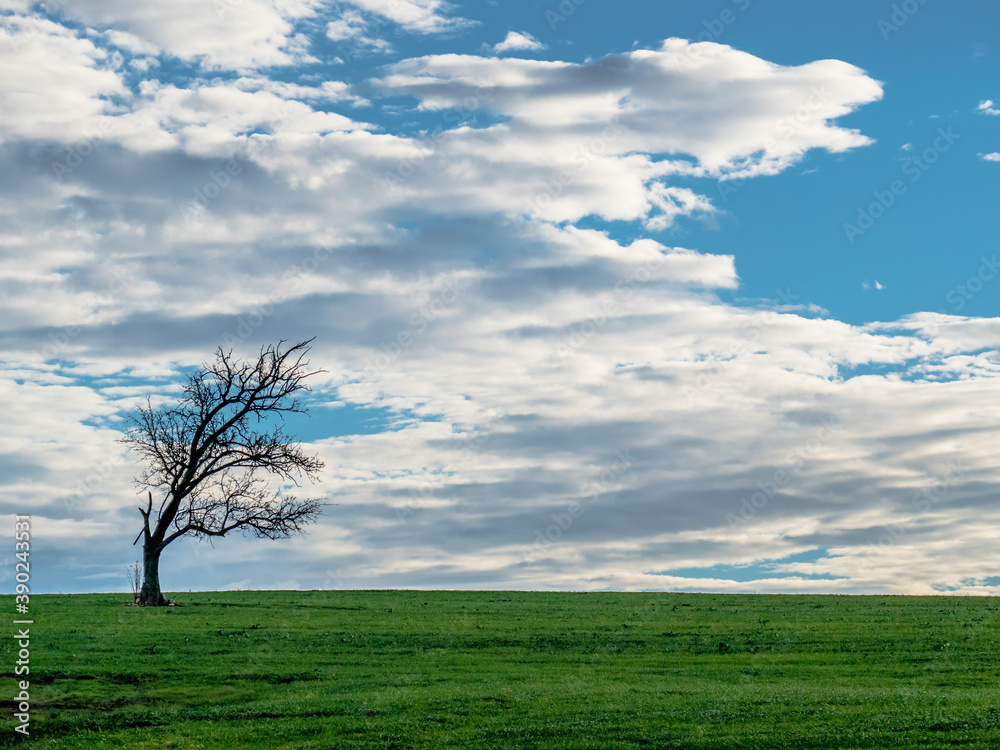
134,574
212,459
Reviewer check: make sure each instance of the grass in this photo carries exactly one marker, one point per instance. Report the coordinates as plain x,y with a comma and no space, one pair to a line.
443,669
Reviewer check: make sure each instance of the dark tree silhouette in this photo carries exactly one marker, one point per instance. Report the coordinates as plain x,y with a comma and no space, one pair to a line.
212,459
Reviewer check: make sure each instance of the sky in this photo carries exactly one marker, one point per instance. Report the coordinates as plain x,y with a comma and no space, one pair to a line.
670,296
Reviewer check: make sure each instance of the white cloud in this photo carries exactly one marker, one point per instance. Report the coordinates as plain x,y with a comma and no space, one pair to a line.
986,107
518,40
52,83
557,159
214,119
349,25
732,111
672,202
423,16
352,26
577,139
223,34
994,156
132,43
56,86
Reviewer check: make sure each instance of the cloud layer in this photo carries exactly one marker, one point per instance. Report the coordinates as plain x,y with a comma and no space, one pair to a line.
565,399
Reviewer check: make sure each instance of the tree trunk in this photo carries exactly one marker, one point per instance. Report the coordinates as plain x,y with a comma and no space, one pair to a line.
150,595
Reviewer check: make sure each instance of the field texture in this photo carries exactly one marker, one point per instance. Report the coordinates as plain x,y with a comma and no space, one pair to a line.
412,669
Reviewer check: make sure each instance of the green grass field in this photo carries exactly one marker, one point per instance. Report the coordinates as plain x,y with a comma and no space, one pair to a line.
413,669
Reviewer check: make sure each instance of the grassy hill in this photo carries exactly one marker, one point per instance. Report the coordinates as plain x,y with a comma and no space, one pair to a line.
444,669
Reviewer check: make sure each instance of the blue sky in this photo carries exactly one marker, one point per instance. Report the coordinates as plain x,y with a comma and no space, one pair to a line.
681,296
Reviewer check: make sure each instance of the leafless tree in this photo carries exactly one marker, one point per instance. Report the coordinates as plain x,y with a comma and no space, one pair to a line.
134,574
212,459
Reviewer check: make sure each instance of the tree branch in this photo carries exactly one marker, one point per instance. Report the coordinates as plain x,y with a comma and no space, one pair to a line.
145,519
207,451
